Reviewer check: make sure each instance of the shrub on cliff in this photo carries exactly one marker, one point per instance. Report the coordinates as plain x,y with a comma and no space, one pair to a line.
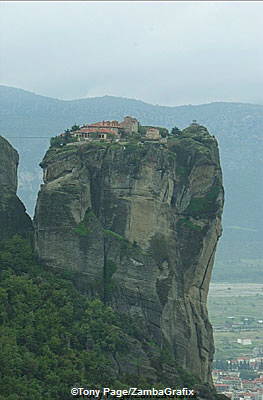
175,131
59,141
75,128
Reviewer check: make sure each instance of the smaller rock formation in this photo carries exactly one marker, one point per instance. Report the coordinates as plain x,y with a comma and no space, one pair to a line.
13,216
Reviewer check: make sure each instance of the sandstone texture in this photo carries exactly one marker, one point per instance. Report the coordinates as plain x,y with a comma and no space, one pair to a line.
13,217
139,224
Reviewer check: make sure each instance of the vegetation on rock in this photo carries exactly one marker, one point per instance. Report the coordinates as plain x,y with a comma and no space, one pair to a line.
175,131
204,206
85,226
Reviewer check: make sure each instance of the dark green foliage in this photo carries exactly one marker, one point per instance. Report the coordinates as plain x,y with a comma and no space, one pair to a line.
75,128
171,156
175,131
13,218
204,206
188,379
115,235
163,131
111,267
187,223
136,151
131,147
195,129
182,155
59,141
56,141
199,206
191,236
51,336
18,254
84,227
142,130
70,139
182,172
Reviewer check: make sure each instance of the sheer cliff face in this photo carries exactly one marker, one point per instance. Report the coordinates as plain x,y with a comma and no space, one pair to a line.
141,223
13,218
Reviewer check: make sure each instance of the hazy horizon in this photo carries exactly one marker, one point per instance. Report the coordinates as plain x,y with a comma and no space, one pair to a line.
165,53
131,98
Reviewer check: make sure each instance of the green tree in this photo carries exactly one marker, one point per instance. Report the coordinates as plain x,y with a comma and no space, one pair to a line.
75,128
57,141
175,131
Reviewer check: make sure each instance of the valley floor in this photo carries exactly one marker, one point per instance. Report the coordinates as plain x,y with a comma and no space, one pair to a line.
236,313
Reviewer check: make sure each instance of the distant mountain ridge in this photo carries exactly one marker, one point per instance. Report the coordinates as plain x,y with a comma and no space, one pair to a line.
18,101
237,126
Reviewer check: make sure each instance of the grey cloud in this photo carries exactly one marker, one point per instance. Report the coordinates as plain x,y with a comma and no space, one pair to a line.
160,52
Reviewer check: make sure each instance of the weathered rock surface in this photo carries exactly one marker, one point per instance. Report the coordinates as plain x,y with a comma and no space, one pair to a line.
140,222
13,217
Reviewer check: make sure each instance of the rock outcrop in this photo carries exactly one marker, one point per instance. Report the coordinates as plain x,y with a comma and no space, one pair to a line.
13,217
140,224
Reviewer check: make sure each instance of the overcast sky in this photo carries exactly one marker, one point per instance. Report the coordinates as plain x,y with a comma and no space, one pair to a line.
162,52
